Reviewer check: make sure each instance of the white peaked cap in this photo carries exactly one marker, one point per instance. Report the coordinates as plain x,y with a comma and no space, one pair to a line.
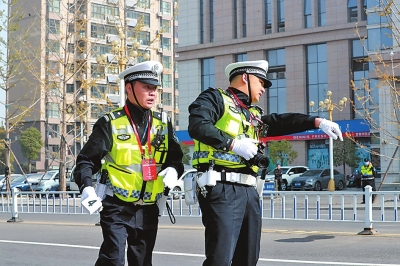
146,72
257,68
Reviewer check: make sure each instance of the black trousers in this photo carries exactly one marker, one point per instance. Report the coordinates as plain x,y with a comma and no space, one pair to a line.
232,219
370,182
122,223
279,182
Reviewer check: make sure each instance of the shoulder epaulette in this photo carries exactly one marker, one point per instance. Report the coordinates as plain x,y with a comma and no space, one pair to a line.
117,113
258,108
161,116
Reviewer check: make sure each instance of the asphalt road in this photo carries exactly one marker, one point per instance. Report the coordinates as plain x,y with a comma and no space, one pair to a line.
52,239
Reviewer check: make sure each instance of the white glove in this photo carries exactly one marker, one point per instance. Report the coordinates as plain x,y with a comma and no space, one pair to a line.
90,200
245,147
331,129
170,177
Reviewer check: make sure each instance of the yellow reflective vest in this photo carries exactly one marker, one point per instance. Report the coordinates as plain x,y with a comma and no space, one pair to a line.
232,123
124,161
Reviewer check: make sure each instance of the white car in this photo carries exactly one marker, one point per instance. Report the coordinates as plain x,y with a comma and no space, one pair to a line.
179,184
288,173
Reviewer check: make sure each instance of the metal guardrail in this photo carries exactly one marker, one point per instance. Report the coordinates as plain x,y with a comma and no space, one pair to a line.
288,205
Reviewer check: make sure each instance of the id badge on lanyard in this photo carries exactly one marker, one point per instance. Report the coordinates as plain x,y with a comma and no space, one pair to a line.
149,170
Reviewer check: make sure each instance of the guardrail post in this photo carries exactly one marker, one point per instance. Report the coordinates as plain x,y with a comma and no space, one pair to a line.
368,230
14,210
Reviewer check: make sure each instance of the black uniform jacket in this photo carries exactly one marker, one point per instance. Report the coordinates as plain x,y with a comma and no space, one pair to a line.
208,108
100,143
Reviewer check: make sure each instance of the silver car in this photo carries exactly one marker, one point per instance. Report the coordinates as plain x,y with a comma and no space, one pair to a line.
318,179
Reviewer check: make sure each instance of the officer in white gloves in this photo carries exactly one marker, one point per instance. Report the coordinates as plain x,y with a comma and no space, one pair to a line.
226,128
140,159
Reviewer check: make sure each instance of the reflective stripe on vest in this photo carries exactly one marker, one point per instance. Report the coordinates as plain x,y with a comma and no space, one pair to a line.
124,161
231,123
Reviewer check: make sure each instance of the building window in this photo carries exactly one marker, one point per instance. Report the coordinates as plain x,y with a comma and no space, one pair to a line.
52,110
281,15
207,73
176,87
317,76
379,38
53,26
71,48
202,21
144,37
97,71
70,88
277,75
53,130
307,14
321,13
100,31
363,92
268,17
98,91
53,67
166,61
212,20
167,80
53,6
352,10
102,11
139,16
241,57
165,8
165,26
143,3
166,98
100,49
53,47
244,26
166,43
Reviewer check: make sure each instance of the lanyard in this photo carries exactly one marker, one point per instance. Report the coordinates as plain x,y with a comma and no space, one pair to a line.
137,135
239,104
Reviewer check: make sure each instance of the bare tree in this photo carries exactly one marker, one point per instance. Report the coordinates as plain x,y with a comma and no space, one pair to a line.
376,97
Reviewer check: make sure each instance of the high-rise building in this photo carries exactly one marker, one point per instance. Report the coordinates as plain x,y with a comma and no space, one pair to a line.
312,46
80,48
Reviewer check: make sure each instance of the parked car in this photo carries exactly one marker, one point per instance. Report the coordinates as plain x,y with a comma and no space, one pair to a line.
21,183
70,182
288,173
49,179
3,180
318,179
179,184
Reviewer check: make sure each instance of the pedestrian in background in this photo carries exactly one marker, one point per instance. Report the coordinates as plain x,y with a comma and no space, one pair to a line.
141,157
278,177
367,177
226,129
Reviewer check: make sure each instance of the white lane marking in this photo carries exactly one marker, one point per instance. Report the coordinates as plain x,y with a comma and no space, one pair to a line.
202,255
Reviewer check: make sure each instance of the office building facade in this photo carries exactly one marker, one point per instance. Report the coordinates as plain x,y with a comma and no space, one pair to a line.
312,46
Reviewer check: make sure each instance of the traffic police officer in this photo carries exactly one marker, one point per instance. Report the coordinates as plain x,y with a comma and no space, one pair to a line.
141,155
367,177
226,128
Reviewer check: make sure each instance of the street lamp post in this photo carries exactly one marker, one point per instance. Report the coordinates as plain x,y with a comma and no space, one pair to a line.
120,54
328,105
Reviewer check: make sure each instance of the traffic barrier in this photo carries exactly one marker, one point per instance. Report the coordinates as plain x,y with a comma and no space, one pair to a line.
340,206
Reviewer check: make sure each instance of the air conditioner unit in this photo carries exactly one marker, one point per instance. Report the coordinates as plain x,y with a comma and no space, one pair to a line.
112,1
111,37
159,14
281,75
131,3
112,20
132,22
268,31
160,105
112,78
176,54
160,50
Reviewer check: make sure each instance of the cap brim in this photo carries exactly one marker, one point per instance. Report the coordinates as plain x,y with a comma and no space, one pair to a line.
149,81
